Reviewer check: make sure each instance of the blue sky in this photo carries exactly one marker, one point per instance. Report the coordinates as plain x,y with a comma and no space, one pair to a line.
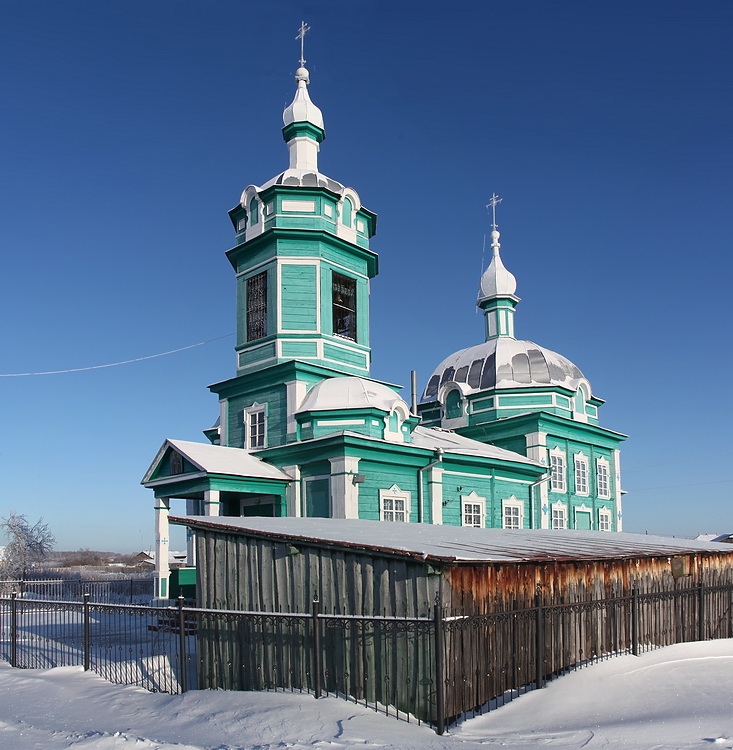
130,128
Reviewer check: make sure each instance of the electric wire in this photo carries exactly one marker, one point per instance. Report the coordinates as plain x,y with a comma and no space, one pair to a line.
114,364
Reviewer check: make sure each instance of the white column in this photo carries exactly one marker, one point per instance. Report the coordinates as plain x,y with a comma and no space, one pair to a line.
344,493
292,496
192,509
617,487
212,504
162,569
435,493
295,393
537,451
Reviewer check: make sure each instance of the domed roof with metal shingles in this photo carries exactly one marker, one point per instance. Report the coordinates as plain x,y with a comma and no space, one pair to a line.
504,363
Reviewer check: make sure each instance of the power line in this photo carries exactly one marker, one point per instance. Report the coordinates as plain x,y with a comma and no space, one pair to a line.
113,364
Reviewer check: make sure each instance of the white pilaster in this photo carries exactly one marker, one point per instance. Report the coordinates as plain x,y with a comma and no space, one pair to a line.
162,545
224,421
193,508
344,493
435,493
295,393
212,503
617,490
293,491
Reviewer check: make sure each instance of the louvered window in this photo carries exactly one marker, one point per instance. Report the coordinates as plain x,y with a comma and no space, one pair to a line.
257,306
344,306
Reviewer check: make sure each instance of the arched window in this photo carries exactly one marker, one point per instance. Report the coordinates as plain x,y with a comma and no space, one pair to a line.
347,209
453,405
254,211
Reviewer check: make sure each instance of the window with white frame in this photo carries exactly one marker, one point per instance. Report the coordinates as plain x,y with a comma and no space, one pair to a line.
512,513
394,504
557,468
603,478
559,516
255,427
604,519
581,474
473,511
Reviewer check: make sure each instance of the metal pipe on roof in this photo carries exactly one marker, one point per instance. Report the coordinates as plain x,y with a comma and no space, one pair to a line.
413,396
420,494
542,479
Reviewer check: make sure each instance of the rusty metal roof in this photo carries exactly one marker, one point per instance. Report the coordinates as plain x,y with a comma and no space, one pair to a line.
456,544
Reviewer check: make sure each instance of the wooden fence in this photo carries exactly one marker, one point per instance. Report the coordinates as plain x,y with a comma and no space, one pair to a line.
429,669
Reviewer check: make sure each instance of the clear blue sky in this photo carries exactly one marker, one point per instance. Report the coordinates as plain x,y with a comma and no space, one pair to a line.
130,128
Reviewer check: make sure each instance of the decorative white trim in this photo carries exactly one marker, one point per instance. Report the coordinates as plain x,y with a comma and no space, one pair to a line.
344,493
306,207
603,463
337,422
435,493
561,520
511,503
475,500
605,519
561,473
293,491
247,414
617,488
295,391
401,506
581,474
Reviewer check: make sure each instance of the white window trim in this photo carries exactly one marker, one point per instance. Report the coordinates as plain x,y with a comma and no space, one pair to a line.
250,411
473,499
559,507
607,464
605,513
512,502
558,453
394,492
581,460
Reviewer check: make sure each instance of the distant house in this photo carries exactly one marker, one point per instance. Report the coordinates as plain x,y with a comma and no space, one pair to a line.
725,538
147,559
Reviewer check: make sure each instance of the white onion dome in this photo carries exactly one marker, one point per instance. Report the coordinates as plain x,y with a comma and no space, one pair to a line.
350,392
504,363
302,108
496,281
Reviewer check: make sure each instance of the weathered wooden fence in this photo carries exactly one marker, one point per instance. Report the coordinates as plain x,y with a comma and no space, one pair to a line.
432,669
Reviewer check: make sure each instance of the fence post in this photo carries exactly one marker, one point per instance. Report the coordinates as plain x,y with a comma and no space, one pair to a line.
539,643
87,638
439,668
13,630
701,612
317,655
183,682
635,621
131,591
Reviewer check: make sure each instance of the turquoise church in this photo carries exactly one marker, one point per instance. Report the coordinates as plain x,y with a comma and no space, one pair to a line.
506,434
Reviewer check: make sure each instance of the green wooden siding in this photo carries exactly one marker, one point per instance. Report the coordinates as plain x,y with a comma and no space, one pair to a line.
298,303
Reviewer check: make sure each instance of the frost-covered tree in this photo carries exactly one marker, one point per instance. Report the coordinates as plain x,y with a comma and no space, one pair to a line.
26,544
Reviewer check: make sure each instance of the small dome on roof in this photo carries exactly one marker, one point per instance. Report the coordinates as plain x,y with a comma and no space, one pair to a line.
350,393
496,281
302,108
504,363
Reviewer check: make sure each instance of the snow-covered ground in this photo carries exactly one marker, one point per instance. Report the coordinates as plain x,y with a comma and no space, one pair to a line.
676,698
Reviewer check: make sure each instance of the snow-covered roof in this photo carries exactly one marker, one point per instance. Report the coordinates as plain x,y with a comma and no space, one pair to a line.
350,392
451,442
504,363
457,543
218,459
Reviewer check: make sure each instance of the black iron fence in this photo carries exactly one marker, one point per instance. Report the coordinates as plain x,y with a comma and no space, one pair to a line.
427,669
134,590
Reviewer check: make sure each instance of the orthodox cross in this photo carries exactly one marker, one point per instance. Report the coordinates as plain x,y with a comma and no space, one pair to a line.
492,204
304,28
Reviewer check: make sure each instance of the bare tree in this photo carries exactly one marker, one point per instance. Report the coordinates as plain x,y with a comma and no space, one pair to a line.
27,544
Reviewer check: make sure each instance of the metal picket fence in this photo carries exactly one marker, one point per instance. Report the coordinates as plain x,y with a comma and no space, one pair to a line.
427,669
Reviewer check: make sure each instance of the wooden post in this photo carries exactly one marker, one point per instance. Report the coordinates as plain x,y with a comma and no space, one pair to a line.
701,612
439,669
317,656
13,630
183,682
635,622
539,643
87,643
